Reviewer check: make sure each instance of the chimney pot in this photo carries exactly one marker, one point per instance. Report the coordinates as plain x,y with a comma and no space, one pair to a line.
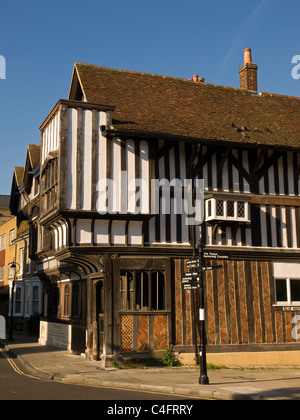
247,56
195,77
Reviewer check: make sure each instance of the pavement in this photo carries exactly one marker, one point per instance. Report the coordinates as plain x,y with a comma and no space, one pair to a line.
225,384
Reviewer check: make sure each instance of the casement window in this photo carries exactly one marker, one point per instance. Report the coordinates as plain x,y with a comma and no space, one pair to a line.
142,291
11,271
287,291
286,284
28,266
2,242
2,268
27,300
67,300
36,186
35,300
75,300
11,237
49,186
21,261
158,291
18,300
71,300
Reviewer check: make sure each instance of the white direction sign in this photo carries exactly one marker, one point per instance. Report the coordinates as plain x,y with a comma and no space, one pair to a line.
193,263
191,286
215,256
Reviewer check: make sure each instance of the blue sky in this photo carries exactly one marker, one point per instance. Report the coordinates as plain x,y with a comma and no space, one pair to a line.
41,40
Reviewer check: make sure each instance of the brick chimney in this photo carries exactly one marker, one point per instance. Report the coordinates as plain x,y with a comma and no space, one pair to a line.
197,79
248,73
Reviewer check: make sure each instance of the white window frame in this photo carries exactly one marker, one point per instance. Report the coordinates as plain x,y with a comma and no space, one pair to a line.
28,266
211,209
3,242
2,273
29,300
286,271
11,237
19,301
35,300
11,271
22,252
289,301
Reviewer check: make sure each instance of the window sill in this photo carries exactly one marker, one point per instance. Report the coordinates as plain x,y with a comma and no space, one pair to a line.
287,307
143,312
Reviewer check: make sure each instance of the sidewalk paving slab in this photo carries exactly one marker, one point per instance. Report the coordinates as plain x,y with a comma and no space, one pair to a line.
227,384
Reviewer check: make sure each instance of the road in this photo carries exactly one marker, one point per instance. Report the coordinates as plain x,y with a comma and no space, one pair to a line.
17,384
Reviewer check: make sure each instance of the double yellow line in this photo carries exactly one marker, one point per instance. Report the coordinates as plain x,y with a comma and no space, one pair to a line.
14,366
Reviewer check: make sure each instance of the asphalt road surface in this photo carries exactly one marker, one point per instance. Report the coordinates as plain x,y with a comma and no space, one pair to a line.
17,384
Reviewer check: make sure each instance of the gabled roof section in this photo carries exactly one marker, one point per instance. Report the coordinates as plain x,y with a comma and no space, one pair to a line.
31,162
76,91
18,175
17,183
34,154
179,108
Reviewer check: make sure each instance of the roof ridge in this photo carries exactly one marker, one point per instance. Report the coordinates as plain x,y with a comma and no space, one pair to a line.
140,73
198,84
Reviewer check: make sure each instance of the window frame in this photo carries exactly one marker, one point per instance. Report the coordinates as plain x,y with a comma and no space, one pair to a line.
133,287
3,242
67,301
231,209
22,262
11,237
35,300
289,301
75,301
18,301
11,271
2,273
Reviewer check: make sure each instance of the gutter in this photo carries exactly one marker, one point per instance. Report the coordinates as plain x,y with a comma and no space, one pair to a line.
111,132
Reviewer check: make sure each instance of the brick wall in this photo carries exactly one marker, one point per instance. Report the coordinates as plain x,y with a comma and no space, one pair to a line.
144,333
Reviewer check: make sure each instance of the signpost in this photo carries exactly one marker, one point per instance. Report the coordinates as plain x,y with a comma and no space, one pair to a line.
195,281
203,379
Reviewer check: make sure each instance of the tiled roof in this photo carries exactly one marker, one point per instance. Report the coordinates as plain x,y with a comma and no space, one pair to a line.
34,154
4,201
19,173
180,108
4,209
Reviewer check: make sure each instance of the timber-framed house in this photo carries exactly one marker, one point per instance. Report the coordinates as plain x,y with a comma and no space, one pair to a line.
112,269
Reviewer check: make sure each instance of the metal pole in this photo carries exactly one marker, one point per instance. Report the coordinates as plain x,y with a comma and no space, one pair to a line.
11,337
193,301
203,379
